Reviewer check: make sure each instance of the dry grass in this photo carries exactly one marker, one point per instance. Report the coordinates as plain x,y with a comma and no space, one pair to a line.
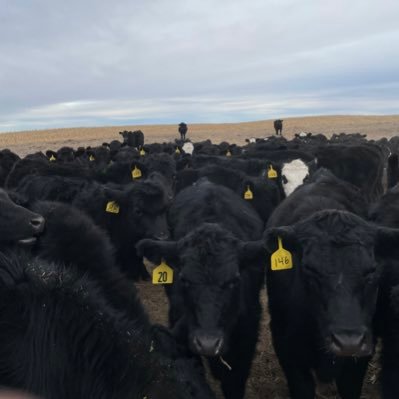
266,380
31,141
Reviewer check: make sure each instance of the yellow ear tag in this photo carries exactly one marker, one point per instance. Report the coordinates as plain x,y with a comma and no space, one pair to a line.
281,259
177,150
112,207
52,158
271,173
162,274
136,173
248,195
91,158
228,153
142,152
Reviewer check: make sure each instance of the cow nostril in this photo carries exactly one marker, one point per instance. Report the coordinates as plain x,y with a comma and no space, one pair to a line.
197,344
162,236
37,223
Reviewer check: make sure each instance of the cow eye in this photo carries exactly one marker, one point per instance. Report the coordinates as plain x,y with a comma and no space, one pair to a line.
138,212
184,282
231,283
370,274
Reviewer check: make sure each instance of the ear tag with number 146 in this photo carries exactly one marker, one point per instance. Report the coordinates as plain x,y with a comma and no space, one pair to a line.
162,274
281,259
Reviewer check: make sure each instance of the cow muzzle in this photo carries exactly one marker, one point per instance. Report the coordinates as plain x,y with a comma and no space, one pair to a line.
351,343
207,344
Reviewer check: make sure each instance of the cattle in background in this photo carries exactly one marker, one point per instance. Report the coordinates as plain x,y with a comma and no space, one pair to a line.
188,148
360,165
133,139
265,194
218,259
322,308
293,175
278,126
7,161
62,316
183,130
392,170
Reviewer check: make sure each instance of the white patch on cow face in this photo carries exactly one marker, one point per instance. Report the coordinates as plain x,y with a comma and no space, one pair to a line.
295,173
188,148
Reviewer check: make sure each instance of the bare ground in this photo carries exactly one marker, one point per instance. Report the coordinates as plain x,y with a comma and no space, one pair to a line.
266,380
39,140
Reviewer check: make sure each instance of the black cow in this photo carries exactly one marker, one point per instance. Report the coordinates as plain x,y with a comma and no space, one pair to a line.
183,131
393,170
61,338
278,126
361,165
322,308
133,139
128,213
265,194
386,213
17,224
7,161
218,263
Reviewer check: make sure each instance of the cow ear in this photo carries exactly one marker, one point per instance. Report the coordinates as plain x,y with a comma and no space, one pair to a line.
251,249
386,241
50,153
286,233
155,250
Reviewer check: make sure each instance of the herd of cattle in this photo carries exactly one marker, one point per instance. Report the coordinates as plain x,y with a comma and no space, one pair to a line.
314,220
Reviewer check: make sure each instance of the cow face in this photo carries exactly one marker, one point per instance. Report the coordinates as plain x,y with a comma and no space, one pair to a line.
147,206
209,283
18,223
293,175
335,266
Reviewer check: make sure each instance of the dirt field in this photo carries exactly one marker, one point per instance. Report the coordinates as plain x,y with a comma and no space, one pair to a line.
266,380
31,141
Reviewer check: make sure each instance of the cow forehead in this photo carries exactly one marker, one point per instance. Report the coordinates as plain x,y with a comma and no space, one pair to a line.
209,275
335,257
202,264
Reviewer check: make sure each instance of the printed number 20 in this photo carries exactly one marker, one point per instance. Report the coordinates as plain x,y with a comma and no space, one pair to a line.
163,277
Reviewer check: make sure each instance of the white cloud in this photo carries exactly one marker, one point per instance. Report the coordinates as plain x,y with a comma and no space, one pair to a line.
177,58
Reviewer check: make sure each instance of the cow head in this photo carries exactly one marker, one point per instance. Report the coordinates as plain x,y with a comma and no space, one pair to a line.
335,264
18,224
147,204
209,280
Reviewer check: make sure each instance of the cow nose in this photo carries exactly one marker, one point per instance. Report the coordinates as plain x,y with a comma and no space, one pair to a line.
37,224
162,236
350,343
208,345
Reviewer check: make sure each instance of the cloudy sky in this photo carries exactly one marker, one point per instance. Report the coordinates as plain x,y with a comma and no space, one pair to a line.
97,62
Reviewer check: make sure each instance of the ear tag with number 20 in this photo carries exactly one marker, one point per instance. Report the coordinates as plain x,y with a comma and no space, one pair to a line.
162,274
281,259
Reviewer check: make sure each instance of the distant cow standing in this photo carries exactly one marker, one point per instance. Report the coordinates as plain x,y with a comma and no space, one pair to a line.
183,130
278,126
